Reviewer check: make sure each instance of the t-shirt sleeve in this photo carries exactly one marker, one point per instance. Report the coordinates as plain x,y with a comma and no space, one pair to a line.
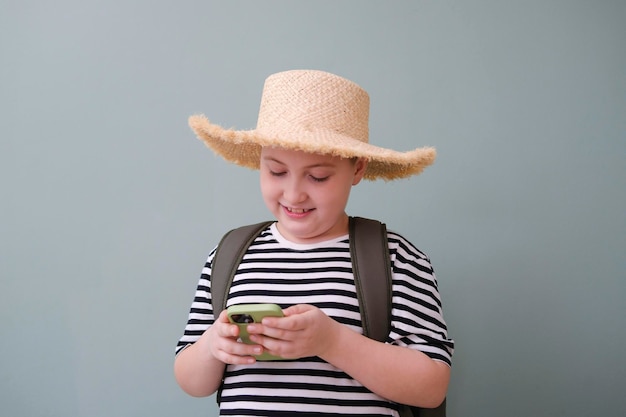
417,314
201,312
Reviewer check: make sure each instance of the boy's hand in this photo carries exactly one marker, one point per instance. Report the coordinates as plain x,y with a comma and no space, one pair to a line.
304,331
221,341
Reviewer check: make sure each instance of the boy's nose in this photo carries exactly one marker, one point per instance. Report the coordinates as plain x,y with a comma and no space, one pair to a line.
294,192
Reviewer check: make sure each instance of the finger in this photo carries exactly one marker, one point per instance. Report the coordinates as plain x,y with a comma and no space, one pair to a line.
236,359
297,309
267,335
271,345
238,352
293,314
223,317
243,349
294,322
224,327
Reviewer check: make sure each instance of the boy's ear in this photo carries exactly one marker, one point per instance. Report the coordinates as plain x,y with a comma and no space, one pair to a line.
359,170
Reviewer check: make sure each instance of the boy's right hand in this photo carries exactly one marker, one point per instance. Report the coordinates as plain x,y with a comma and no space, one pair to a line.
221,341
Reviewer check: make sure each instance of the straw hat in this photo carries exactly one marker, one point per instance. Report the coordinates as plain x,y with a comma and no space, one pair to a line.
316,112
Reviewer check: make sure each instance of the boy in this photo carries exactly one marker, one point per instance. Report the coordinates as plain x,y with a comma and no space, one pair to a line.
311,147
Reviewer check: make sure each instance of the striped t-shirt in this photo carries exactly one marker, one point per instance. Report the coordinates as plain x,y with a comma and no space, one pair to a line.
275,270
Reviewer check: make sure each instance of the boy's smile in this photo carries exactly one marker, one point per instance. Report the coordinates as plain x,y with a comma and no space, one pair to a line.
308,193
295,212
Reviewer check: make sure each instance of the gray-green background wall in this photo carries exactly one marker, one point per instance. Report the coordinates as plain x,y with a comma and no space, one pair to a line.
109,205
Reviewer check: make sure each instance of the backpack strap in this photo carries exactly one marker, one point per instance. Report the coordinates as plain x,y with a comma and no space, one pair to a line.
228,256
371,266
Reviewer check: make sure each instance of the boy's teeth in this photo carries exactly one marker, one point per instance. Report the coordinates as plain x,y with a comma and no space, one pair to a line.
297,211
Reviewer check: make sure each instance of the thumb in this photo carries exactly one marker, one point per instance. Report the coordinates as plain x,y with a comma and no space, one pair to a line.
297,309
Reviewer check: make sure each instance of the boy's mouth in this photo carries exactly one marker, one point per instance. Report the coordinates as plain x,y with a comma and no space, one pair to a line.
297,210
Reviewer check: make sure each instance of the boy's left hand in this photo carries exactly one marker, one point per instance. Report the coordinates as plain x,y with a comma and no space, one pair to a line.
304,331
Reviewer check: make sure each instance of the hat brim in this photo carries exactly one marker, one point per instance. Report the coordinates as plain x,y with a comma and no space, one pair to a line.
243,147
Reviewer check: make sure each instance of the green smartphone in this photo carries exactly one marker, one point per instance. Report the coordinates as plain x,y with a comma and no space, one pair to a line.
244,314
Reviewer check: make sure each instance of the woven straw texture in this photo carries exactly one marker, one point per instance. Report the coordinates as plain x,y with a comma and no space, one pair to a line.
312,111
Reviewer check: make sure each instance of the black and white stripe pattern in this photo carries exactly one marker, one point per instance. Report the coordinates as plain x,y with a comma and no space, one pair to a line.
275,270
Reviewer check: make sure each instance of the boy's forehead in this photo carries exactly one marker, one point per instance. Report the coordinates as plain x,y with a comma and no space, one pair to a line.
288,155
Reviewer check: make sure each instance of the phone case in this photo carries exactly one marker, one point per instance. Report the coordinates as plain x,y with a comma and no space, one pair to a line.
243,314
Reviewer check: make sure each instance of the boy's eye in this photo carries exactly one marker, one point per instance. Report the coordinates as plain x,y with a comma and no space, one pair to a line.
313,177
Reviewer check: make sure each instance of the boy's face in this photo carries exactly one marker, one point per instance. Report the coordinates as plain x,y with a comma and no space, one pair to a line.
308,193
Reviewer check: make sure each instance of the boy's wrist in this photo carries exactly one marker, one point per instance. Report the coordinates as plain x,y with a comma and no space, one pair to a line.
339,338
